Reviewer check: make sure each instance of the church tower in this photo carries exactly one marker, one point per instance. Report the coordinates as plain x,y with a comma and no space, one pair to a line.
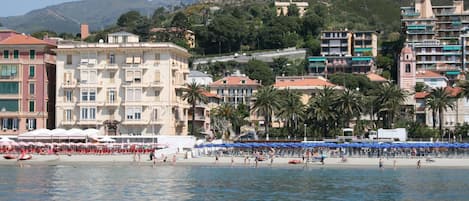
407,68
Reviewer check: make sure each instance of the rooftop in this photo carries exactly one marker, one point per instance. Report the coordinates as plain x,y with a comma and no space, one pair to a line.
21,39
429,74
376,78
283,82
235,80
195,73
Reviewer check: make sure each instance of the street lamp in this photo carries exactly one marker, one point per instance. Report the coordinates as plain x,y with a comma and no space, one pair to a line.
305,133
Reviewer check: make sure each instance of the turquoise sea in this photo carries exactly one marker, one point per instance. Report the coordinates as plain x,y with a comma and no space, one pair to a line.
144,182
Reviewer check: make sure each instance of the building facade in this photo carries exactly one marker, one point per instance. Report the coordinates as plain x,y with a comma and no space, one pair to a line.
123,87
438,36
282,7
27,83
235,89
202,112
199,78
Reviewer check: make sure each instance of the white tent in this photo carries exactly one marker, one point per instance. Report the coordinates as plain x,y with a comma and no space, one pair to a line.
5,139
106,139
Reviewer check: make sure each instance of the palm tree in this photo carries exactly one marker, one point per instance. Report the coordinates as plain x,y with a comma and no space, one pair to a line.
440,100
266,103
389,98
221,117
292,109
321,108
193,95
465,89
431,103
350,105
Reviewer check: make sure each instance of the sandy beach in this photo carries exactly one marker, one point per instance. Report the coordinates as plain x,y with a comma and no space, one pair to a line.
239,161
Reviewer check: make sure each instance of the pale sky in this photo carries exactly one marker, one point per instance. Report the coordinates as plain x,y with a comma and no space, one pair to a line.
20,7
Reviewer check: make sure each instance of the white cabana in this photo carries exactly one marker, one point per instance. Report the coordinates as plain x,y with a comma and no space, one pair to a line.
5,139
106,139
56,134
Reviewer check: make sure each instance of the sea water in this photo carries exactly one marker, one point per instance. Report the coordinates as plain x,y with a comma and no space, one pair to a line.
144,182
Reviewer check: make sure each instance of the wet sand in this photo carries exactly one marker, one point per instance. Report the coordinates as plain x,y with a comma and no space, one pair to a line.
239,161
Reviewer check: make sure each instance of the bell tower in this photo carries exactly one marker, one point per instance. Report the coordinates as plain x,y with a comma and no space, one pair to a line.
407,69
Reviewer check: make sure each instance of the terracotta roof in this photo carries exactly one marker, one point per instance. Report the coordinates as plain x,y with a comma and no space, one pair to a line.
210,95
406,50
235,80
20,39
453,91
376,78
428,74
420,95
302,82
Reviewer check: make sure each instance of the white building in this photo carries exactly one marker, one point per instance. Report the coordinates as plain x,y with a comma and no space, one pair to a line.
123,87
431,79
199,78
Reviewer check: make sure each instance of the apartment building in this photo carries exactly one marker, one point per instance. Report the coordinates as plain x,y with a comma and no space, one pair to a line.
459,114
282,7
437,33
202,112
199,78
27,78
235,89
122,87
345,51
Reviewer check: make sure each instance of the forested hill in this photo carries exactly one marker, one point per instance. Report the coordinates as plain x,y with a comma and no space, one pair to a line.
99,14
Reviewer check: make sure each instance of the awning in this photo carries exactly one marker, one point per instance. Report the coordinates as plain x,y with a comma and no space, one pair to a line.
452,73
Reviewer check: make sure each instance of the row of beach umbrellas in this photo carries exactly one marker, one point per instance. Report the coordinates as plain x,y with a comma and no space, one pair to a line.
336,145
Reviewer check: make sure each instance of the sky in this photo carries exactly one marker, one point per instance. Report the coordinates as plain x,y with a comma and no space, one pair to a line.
20,7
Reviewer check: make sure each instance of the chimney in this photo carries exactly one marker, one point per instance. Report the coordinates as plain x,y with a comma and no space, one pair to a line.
84,31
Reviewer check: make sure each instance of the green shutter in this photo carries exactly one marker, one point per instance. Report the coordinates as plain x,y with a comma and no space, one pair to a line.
16,54
5,54
9,105
31,71
32,54
9,88
31,106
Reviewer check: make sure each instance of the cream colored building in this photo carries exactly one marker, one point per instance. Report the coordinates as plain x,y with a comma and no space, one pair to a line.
123,87
282,7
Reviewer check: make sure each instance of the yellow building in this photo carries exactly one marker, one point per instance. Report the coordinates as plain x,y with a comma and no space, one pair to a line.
125,83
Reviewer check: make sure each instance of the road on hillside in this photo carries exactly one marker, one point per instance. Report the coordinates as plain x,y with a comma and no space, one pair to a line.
268,56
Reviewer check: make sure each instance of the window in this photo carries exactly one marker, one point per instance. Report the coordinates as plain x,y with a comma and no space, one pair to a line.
407,68
68,115
155,115
6,54
88,95
133,113
9,88
31,88
8,71
89,77
31,71
112,58
15,124
69,59
88,113
16,54
68,96
31,106
31,124
133,94
111,96
157,58
9,105
32,54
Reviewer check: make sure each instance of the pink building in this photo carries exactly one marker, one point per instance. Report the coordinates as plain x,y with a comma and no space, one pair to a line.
27,75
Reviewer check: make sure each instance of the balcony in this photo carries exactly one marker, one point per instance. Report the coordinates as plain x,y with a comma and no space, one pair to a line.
68,122
69,84
136,103
139,122
135,66
9,78
111,104
112,66
89,122
88,84
137,84
90,103
156,84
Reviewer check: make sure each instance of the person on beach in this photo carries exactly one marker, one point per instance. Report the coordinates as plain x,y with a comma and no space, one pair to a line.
394,165
216,158
174,159
232,160
152,155
380,163
418,164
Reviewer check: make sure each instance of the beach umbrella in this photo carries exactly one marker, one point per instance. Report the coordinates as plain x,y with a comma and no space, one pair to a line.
39,144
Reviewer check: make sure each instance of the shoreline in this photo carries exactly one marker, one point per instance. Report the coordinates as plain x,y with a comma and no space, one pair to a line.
239,161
